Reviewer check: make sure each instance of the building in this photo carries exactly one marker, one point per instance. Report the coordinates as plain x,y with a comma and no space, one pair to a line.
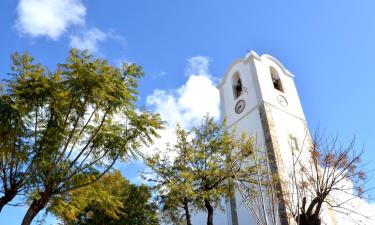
258,95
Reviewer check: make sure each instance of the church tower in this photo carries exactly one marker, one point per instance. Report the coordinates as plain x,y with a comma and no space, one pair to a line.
258,96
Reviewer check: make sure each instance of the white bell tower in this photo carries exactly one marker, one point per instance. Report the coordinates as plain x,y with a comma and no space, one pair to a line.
258,95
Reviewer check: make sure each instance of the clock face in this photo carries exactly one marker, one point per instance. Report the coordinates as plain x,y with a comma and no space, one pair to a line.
282,100
240,106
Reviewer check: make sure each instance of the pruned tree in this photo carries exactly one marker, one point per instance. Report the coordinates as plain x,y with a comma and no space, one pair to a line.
317,180
320,173
206,161
80,120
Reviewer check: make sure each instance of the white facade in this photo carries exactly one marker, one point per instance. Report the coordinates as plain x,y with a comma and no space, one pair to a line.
272,112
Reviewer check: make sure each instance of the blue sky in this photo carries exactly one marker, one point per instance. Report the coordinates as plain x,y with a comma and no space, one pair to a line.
328,45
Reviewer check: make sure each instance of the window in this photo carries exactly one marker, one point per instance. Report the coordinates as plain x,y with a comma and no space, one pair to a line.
237,85
276,80
293,143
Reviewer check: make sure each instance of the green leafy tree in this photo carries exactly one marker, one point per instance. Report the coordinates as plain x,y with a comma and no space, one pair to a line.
207,157
112,201
17,134
80,120
10,129
172,185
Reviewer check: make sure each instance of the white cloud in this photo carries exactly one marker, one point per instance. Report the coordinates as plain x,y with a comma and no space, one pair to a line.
354,211
188,104
197,65
363,213
159,75
90,39
198,97
50,18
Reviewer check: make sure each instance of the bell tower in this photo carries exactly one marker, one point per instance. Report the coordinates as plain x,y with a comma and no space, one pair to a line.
258,96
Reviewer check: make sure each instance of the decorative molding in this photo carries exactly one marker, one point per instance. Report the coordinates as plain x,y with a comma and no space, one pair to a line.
253,55
277,62
247,58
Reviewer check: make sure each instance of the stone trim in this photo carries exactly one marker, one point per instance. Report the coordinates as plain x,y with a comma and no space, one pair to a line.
274,156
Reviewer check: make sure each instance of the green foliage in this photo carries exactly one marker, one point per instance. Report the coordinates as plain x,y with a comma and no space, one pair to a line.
111,201
104,193
15,146
71,125
208,157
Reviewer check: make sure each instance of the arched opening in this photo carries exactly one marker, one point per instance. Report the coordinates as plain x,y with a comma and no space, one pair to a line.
276,80
237,85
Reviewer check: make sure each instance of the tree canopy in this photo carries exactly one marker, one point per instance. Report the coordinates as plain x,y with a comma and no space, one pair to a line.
112,201
200,176
64,130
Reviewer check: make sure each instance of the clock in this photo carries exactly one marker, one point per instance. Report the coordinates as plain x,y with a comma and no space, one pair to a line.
282,100
240,106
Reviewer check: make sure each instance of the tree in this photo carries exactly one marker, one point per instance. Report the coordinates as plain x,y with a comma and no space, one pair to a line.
16,134
322,182
172,185
318,178
79,119
118,203
201,174
10,130
215,154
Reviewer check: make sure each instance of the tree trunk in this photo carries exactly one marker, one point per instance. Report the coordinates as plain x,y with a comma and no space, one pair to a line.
311,216
187,213
35,207
304,219
314,220
210,212
8,196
